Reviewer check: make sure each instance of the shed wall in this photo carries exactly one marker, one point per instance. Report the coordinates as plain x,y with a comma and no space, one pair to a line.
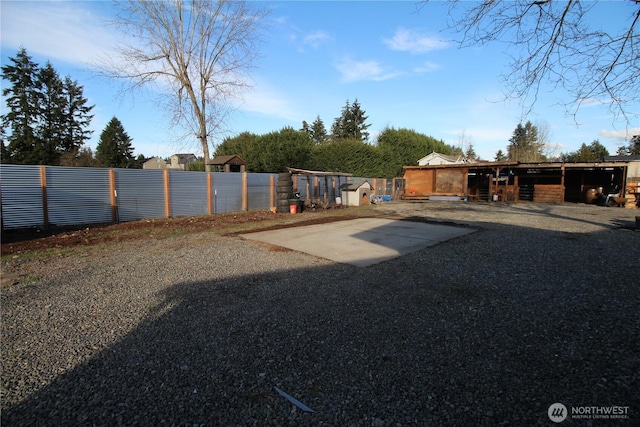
432,182
419,182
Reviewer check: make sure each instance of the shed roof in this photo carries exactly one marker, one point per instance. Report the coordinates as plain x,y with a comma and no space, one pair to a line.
633,158
354,185
233,159
519,165
318,173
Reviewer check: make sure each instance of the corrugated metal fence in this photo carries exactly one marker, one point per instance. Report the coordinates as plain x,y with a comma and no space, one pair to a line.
43,196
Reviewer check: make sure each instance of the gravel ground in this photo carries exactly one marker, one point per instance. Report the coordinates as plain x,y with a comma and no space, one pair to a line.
541,305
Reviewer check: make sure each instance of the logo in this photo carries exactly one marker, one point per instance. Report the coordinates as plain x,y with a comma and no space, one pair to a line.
557,412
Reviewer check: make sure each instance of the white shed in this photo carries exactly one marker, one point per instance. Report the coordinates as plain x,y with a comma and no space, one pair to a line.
356,193
440,159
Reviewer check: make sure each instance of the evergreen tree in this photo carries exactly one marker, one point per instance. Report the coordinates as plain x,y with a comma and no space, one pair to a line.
4,154
139,161
79,157
594,152
23,108
359,125
351,123
634,146
404,147
350,155
47,117
76,116
500,156
470,154
633,149
524,145
51,124
318,131
114,149
339,129
276,151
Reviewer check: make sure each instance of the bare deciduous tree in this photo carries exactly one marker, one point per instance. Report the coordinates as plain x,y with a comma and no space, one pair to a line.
196,51
549,150
553,43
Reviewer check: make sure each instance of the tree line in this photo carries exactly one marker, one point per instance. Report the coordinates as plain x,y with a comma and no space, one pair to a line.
47,121
346,148
528,144
47,116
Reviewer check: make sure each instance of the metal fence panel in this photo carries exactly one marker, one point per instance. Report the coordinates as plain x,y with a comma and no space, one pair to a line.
227,190
259,191
140,194
188,193
21,193
77,196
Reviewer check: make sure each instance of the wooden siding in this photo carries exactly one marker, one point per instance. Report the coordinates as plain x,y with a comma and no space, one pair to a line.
548,193
422,183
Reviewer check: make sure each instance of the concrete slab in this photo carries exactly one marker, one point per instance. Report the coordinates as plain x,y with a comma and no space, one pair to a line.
361,242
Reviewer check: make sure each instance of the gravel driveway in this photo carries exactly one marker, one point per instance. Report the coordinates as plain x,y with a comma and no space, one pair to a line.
541,305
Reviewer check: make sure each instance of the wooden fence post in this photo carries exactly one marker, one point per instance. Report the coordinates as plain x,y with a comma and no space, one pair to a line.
113,196
333,188
272,192
167,195
245,192
43,187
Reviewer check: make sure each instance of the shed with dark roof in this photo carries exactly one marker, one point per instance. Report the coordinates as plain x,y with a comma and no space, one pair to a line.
232,163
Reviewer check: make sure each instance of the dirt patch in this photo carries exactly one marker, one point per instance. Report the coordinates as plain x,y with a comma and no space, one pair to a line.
35,239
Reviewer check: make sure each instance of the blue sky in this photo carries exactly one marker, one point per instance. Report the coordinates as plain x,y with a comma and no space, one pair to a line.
317,55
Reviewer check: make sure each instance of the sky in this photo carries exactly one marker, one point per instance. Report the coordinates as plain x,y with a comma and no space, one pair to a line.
395,59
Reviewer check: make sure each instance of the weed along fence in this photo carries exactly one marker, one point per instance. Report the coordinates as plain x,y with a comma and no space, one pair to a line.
54,196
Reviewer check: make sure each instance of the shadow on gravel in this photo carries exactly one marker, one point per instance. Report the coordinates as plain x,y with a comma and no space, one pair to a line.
468,332
548,210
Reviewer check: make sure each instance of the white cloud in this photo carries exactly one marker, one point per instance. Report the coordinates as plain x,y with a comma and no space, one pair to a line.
266,100
353,71
281,20
316,39
407,40
426,67
619,134
56,30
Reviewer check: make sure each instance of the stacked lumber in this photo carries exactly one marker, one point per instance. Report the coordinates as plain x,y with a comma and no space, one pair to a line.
547,193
